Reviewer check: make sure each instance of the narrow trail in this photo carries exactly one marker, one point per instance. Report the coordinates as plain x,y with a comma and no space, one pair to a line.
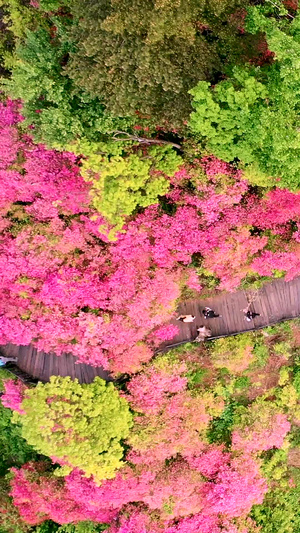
275,301
42,365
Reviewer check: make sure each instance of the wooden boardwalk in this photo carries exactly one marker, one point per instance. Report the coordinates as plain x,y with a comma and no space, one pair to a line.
42,365
275,301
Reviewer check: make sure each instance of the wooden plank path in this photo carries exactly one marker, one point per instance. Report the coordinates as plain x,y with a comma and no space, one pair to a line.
42,365
275,301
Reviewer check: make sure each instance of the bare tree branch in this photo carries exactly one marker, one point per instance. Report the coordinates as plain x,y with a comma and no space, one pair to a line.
141,140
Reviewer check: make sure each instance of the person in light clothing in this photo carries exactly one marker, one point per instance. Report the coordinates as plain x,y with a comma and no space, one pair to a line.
203,333
186,318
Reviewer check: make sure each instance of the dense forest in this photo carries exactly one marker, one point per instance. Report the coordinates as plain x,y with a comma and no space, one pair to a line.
149,155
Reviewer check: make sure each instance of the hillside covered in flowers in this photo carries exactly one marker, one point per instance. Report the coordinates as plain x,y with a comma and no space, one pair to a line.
149,154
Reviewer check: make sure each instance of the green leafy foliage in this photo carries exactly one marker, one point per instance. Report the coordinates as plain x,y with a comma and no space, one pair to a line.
145,56
58,111
14,452
279,512
253,116
233,353
124,183
221,427
14,449
81,425
10,520
80,527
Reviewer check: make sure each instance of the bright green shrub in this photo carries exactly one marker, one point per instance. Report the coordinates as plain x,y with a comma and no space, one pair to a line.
81,425
255,176
254,115
124,183
279,511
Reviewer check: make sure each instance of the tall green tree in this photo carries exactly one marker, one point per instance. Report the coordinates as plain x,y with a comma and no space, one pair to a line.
80,425
57,110
253,116
144,56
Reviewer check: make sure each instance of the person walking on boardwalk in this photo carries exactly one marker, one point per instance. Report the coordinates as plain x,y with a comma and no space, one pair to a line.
250,315
203,333
209,313
186,318
5,360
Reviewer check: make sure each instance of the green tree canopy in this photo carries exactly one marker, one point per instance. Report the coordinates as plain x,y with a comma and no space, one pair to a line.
58,111
122,184
144,56
80,425
254,115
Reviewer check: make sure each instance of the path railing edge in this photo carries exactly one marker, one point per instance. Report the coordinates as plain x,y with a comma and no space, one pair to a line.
257,328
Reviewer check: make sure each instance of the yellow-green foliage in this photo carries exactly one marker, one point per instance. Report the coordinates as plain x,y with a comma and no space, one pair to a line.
121,184
233,353
255,176
82,425
287,399
19,16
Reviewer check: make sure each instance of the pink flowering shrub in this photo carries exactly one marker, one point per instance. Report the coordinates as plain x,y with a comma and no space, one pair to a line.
193,282
150,391
166,333
139,521
269,262
39,496
214,166
210,461
237,487
136,520
231,491
14,393
158,488
206,523
172,419
65,288
174,432
261,428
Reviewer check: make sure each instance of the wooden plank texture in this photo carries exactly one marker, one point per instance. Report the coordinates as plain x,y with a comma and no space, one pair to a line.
42,365
275,301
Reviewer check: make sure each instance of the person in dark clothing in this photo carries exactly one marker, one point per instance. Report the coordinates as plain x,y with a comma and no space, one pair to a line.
250,315
209,313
